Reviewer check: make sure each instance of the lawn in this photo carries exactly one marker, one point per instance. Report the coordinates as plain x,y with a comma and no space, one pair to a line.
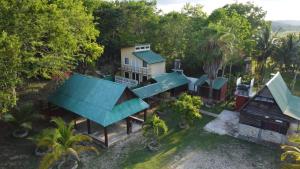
177,142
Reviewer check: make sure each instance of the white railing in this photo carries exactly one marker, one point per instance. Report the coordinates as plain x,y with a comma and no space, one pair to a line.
126,81
142,70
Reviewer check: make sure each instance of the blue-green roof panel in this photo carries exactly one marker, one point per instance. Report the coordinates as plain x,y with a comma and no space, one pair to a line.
164,82
288,103
149,56
95,99
218,83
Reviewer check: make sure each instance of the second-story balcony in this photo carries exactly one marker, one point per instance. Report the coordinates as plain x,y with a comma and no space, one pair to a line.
142,70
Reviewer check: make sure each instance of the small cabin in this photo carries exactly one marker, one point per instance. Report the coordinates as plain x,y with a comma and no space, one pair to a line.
272,108
201,88
140,63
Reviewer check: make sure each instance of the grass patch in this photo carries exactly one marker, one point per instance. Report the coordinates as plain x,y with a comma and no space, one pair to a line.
219,107
177,141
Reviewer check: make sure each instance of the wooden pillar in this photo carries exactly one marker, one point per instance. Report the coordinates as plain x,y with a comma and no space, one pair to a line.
145,115
88,123
75,125
128,125
105,137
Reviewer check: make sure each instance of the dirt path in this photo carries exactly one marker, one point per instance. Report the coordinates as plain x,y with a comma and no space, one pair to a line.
233,156
112,158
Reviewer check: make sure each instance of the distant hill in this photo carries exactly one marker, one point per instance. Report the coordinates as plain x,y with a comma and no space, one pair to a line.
286,26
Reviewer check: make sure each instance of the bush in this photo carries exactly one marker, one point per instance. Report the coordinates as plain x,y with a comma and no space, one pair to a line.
188,108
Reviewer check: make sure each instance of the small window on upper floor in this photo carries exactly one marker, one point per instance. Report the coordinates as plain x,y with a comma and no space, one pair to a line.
126,61
144,64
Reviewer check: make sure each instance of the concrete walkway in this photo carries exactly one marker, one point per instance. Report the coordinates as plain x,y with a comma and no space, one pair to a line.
208,113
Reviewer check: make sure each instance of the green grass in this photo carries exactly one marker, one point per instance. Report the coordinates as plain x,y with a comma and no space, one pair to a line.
176,141
219,107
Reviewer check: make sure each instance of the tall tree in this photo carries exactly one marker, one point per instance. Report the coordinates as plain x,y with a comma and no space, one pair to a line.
264,49
213,48
9,68
53,36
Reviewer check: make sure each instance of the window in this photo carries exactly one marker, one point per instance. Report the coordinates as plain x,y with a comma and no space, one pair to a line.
126,61
144,64
133,76
137,77
126,75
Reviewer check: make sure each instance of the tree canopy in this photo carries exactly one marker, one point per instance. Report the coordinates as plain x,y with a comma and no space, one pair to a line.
50,37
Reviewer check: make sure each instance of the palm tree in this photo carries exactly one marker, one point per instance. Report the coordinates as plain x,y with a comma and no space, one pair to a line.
153,129
21,118
214,47
266,43
291,155
63,143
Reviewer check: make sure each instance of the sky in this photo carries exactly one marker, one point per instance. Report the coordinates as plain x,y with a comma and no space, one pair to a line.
276,9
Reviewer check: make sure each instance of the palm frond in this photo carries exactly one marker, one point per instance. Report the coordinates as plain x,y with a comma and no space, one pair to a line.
73,153
50,158
79,138
81,149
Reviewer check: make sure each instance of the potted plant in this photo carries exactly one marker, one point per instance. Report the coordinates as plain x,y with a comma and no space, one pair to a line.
21,118
64,145
153,129
188,109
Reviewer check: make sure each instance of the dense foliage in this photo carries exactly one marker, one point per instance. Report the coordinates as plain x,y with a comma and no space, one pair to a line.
188,108
42,39
154,128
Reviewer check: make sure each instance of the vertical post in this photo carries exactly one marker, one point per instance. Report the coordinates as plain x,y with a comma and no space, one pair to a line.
75,125
88,123
145,115
105,136
128,125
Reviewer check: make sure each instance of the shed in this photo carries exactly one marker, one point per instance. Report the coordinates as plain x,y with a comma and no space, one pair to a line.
174,81
272,108
102,101
219,88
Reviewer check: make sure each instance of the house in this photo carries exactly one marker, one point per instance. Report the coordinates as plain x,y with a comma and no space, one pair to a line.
140,63
102,101
201,88
273,108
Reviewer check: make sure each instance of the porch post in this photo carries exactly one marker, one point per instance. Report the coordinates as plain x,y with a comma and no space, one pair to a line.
145,115
129,126
75,125
105,136
88,123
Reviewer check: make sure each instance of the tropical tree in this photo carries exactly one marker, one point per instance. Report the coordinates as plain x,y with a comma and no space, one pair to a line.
63,144
213,48
188,108
153,129
9,66
291,154
21,118
49,37
265,47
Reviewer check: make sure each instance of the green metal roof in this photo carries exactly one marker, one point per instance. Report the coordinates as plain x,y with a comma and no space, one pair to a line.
95,99
164,82
149,56
288,103
217,85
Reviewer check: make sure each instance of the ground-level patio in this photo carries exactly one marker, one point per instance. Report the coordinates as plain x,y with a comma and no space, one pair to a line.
115,132
227,123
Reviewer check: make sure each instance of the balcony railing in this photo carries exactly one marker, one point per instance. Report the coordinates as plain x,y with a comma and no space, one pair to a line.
128,82
141,70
